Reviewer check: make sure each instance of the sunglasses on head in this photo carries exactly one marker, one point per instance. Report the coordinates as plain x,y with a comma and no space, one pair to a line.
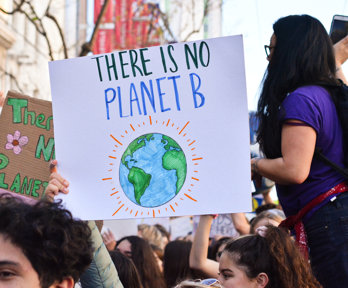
212,282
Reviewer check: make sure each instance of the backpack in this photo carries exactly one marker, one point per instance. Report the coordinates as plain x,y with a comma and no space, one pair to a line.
340,97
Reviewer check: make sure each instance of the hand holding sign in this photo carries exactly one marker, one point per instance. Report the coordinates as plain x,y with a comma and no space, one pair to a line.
56,184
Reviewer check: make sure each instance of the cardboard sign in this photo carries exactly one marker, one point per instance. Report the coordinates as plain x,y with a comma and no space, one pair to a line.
154,132
26,145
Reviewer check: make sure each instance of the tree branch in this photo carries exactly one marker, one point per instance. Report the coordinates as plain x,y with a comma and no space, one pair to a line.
88,46
166,24
39,27
54,19
205,13
12,77
42,29
19,6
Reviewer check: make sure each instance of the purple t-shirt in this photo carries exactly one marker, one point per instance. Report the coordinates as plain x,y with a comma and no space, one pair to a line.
314,106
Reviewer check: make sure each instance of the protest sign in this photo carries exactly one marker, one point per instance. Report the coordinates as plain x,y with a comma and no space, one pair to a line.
26,145
180,227
221,226
154,132
121,228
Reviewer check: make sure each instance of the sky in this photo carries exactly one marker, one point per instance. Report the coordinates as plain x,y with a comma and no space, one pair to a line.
254,19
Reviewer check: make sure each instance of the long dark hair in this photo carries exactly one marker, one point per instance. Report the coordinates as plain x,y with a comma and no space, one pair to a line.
303,55
145,261
276,254
126,270
176,265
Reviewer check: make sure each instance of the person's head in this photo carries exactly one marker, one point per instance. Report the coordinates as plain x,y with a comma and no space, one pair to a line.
143,257
301,54
271,261
152,234
263,219
176,266
126,270
41,245
218,247
124,246
265,207
164,232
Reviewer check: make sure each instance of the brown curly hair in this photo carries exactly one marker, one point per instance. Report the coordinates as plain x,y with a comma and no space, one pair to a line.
57,245
276,255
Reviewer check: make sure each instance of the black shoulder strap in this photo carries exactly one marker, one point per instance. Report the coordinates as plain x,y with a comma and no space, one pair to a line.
323,158
318,151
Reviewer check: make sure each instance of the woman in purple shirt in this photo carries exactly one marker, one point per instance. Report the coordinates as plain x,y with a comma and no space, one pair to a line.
296,115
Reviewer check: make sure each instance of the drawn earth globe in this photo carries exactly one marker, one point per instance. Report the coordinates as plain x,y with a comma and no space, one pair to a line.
152,170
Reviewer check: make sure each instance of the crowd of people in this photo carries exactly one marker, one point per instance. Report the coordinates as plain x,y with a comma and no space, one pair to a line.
43,245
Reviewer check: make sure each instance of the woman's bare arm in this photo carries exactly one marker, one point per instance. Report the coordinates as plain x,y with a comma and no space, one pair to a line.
199,250
298,144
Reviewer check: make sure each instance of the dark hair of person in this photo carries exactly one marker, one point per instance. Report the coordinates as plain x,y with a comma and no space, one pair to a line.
276,255
303,55
217,244
57,245
145,261
126,270
265,207
176,266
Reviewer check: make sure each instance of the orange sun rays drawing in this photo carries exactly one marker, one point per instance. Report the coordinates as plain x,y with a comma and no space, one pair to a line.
115,158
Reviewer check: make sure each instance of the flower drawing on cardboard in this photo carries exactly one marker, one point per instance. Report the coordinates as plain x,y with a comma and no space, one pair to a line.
15,142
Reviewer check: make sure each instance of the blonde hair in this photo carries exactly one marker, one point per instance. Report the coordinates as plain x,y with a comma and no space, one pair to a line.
152,235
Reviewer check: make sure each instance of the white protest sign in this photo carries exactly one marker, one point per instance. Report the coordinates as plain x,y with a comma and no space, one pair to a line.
221,226
154,132
180,227
121,228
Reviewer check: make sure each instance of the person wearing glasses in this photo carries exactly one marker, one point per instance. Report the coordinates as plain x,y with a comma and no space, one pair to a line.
297,114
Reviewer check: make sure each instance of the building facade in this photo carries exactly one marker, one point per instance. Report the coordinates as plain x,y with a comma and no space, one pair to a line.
25,52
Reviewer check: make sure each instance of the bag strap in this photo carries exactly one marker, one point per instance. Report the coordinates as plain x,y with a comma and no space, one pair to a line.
318,151
319,154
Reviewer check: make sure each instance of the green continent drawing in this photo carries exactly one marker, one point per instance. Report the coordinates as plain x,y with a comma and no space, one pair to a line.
170,143
152,170
134,146
176,160
140,181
